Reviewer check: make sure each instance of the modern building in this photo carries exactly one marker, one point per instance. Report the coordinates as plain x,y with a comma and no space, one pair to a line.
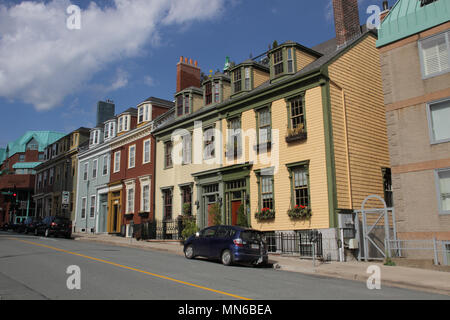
56,177
18,162
414,45
297,135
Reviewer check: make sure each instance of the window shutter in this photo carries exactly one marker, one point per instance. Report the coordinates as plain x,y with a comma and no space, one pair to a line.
435,55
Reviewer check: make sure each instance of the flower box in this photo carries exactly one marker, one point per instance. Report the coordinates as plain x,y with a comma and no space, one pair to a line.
296,134
265,214
300,212
129,216
144,215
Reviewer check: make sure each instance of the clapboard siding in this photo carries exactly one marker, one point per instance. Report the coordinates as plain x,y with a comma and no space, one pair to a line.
312,149
358,73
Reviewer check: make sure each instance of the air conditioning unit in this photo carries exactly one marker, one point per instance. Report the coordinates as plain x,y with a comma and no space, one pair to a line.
353,244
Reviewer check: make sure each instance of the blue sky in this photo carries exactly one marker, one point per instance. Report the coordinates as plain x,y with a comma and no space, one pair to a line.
54,76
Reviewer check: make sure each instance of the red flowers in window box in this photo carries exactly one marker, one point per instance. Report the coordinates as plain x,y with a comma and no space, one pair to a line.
300,212
265,214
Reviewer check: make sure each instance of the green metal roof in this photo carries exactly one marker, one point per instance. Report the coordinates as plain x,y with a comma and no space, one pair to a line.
44,138
26,165
407,18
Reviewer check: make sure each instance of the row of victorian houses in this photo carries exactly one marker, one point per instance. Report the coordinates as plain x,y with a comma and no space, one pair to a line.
291,139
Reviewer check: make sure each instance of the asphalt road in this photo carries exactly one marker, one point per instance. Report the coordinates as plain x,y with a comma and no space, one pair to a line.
35,268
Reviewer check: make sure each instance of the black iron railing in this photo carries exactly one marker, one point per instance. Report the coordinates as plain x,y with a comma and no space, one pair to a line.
159,230
301,243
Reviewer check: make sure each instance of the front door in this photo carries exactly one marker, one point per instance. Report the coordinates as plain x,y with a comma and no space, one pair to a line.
115,217
235,205
102,217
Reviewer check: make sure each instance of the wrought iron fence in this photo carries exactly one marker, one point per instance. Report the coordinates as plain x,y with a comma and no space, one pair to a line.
159,230
304,244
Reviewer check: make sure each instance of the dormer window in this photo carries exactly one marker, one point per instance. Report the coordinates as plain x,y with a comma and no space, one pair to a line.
290,60
216,91
124,123
278,62
208,93
95,137
183,104
143,113
247,79
237,80
110,130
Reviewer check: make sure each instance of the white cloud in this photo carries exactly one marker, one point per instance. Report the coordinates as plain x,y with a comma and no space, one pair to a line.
42,61
149,81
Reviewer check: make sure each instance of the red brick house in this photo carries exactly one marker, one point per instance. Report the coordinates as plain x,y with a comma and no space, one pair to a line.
131,187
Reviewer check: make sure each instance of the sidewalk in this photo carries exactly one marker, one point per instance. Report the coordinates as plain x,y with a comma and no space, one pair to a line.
404,277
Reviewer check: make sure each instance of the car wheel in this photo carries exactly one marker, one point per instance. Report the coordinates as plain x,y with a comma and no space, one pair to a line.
189,252
47,233
227,259
36,232
25,231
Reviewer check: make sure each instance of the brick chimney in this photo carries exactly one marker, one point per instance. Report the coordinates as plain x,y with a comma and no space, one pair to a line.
346,20
188,74
385,11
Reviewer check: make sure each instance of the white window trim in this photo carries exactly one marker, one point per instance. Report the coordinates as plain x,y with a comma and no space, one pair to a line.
130,186
145,182
95,166
83,199
117,168
141,109
422,64
129,156
95,206
430,122
105,161
149,151
438,189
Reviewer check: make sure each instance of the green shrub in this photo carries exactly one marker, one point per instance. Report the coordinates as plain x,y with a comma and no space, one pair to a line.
189,227
242,220
214,212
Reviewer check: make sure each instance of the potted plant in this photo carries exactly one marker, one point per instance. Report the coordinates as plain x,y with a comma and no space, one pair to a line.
300,212
296,134
189,227
265,214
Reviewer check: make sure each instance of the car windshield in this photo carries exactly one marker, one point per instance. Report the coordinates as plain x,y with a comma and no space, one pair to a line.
250,235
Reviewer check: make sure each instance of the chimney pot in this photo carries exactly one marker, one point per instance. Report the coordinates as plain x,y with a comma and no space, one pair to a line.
346,20
188,75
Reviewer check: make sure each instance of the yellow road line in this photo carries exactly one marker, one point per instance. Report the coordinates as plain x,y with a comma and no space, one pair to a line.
133,269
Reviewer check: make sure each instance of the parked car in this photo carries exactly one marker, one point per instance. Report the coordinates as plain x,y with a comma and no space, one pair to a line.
230,244
56,226
29,225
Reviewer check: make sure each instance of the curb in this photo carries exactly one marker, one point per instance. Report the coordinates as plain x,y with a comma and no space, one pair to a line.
128,245
278,266
359,278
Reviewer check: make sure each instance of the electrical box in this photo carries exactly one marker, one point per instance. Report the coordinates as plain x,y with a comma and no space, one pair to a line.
353,244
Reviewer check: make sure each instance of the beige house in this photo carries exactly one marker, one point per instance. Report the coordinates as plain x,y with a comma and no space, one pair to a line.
415,64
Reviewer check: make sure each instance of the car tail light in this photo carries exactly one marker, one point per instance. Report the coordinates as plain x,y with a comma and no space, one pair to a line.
238,242
53,224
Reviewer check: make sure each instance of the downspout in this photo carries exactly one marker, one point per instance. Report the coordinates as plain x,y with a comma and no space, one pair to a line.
347,149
